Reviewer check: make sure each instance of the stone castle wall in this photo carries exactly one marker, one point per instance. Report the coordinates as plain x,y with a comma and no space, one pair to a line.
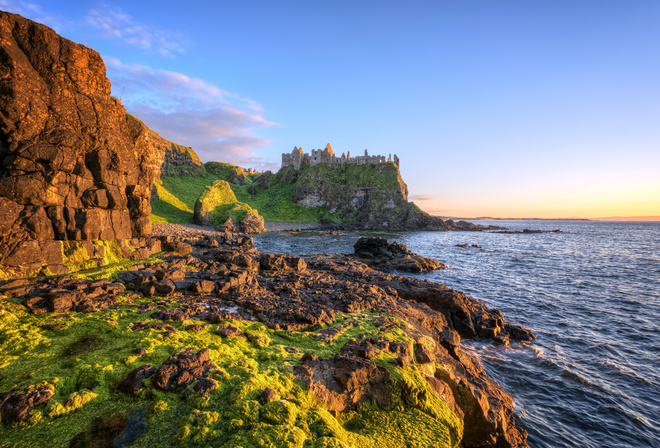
298,158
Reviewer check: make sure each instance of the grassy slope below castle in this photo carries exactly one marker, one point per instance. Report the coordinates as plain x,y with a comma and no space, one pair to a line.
373,195
177,196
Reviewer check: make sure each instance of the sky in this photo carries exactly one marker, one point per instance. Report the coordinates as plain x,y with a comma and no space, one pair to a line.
498,108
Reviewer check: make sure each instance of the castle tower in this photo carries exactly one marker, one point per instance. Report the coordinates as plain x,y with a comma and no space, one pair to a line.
328,148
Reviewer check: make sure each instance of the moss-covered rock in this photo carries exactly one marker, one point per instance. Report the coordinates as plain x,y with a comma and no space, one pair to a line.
218,204
92,351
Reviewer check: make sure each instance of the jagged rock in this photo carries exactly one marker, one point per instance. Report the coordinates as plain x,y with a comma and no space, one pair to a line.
177,247
343,382
378,252
251,223
281,263
229,330
66,294
15,407
205,386
181,161
424,350
267,395
133,381
74,165
183,369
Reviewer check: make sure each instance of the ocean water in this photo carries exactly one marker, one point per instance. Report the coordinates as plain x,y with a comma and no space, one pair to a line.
591,294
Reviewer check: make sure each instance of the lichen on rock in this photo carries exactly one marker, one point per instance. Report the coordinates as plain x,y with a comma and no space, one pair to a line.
217,205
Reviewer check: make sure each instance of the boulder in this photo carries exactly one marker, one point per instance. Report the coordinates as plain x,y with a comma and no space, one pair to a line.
15,407
217,205
343,382
183,369
379,253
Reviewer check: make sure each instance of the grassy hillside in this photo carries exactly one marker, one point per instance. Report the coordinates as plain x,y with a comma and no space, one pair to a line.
218,203
177,196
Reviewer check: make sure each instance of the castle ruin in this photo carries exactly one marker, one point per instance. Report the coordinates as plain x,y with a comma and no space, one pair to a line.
298,158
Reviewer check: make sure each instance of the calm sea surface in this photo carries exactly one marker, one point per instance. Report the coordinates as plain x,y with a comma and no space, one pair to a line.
592,296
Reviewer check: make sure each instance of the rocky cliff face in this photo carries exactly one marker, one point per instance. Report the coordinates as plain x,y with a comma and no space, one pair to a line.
179,160
74,165
371,196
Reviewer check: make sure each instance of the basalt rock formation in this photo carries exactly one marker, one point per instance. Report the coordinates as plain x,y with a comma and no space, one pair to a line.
379,253
74,165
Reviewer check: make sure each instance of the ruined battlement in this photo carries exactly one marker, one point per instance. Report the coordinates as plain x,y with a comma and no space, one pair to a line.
298,158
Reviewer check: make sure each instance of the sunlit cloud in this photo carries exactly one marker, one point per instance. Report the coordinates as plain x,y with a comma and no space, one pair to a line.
34,12
111,22
218,125
420,197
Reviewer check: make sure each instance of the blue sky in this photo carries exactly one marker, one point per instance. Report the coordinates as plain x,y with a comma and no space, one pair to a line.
498,108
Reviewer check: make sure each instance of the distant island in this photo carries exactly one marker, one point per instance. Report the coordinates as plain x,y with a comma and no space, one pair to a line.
489,218
608,218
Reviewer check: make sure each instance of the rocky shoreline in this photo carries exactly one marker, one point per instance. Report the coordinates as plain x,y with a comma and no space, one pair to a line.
117,332
406,342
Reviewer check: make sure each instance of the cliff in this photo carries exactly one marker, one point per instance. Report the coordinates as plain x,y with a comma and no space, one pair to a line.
178,160
372,196
74,165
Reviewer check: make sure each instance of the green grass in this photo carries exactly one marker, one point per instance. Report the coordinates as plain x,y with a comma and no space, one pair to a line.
275,204
382,177
178,193
177,196
224,171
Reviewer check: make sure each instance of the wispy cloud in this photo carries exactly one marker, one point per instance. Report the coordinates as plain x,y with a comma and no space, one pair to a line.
112,22
218,125
34,12
420,197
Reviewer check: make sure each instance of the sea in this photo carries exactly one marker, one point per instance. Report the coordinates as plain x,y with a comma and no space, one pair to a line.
591,295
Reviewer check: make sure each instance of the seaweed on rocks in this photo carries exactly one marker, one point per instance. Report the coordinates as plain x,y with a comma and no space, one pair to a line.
244,347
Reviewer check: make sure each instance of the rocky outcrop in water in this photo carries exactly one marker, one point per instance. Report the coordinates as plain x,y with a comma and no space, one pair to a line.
379,253
74,165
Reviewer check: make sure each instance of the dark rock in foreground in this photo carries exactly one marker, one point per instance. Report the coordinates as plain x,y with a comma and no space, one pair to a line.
287,293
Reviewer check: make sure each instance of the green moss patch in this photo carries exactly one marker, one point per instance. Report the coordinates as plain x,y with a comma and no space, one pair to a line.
85,360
